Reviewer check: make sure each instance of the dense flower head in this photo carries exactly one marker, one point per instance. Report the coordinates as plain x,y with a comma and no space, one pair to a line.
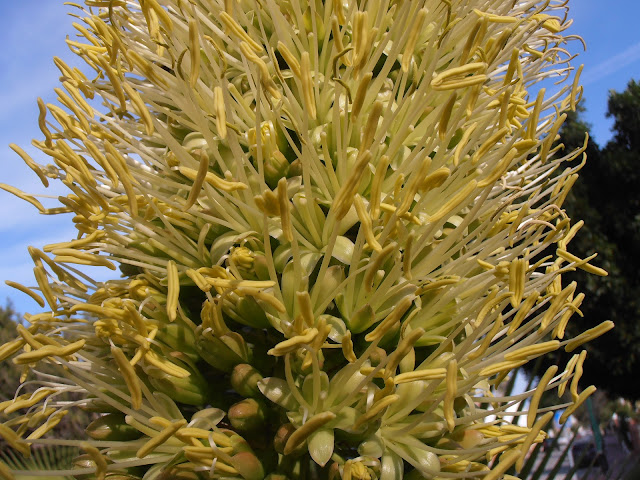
338,226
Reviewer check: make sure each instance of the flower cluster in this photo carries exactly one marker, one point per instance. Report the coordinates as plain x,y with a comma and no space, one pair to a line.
339,227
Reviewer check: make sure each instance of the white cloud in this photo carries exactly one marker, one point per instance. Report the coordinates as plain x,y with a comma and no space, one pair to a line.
612,65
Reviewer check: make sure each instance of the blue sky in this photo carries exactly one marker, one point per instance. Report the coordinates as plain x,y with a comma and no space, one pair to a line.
33,31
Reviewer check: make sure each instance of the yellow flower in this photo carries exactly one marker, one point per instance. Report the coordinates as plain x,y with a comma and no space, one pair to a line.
331,221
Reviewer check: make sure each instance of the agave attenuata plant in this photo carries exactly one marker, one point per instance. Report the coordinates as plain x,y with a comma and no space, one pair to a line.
339,227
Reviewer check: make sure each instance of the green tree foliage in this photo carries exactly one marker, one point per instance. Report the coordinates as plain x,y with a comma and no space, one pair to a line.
71,426
9,377
607,198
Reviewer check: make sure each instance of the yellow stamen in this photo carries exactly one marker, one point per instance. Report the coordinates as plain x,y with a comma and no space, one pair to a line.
361,92
302,433
307,84
506,462
344,198
573,307
39,300
48,425
390,321
489,144
14,440
535,114
42,123
499,170
173,290
375,263
517,279
575,88
366,223
532,351
460,77
194,53
537,395
492,301
24,196
579,401
434,179
523,311
406,256
446,116
201,175
10,348
582,263
573,388
30,163
450,394
213,180
130,377
160,438
98,459
265,77
234,27
500,367
291,60
347,348
421,375
375,409
220,112
263,296
306,309
285,210
165,365
140,108
437,284
531,437
376,186
454,202
486,342
48,351
403,349
557,304
410,46
360,33
71,255
29,400
568,371
292,344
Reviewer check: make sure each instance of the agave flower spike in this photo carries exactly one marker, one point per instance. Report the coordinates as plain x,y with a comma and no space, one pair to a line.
338,227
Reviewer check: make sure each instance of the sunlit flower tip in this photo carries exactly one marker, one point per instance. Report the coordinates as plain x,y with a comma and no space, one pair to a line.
332,225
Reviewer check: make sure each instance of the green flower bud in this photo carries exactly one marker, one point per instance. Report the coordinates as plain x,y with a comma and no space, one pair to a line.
248,465
281,437
84,461
247,415
392,467
223,352
194,141
112,427
244,380
250,313
192,390
179,337
308,24
361,320
98,406
332,279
